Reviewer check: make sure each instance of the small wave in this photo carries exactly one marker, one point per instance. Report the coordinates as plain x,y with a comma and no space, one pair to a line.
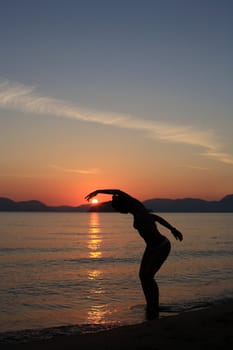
202,253
176,308
75,233
105,260
23,250
28,335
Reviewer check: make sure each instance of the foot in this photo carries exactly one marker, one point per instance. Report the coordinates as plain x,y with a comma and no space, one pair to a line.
151,314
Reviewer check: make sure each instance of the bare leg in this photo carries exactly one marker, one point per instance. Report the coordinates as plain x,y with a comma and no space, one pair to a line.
151,292
151,262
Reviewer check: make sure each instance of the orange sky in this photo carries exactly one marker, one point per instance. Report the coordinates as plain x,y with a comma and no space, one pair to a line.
71,190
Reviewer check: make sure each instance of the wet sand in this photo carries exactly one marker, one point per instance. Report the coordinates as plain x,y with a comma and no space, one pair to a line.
210,328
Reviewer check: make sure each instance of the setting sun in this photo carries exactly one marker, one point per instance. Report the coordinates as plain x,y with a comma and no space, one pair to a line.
94,201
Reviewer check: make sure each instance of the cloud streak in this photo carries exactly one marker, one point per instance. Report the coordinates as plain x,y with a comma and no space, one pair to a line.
75,171
16,96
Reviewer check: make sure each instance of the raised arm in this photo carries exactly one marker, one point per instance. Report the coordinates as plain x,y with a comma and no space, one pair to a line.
177,234
106,191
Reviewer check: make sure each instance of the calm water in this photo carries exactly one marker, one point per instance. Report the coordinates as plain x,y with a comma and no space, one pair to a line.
67,269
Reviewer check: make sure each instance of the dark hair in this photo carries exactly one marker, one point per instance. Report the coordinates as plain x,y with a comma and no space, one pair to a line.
125,204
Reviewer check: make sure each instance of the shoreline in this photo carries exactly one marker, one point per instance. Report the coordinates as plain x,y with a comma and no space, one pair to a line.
199,329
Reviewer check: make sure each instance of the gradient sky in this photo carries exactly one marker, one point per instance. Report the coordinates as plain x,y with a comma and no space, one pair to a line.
129,94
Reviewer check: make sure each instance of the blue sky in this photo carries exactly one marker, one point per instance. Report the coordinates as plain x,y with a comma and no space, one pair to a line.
106,84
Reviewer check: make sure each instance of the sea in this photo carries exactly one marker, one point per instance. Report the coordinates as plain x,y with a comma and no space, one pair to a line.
66,273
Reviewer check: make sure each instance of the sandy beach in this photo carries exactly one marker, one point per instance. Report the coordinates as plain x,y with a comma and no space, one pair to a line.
210,328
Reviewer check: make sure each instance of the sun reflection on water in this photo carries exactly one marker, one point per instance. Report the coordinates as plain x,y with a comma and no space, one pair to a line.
93,274
97,311
97,314
95,237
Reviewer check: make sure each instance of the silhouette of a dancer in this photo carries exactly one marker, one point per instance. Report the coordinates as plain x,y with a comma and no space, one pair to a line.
157,246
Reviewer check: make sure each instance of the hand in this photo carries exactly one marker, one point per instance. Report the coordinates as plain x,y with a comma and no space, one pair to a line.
177,234
91,195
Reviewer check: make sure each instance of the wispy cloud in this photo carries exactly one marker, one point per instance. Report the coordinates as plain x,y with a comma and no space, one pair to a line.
75,171
224,157
194,167
15,96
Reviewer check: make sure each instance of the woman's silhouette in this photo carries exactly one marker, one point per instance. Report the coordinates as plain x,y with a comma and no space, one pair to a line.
157,246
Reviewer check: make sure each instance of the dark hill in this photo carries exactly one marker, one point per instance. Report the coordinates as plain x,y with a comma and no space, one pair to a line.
190,205
7,204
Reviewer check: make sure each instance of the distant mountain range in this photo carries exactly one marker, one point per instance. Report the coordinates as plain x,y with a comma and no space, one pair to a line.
184,205
190,205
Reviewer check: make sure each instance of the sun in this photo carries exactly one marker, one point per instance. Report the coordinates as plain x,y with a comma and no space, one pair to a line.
94,201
